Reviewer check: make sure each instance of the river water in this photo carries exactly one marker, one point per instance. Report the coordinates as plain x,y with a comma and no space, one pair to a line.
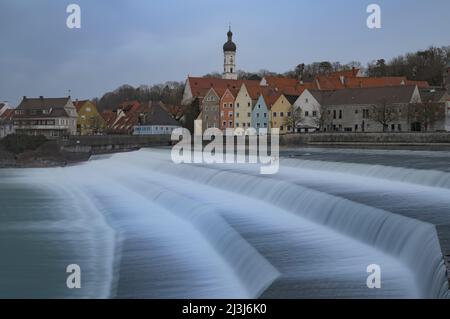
140,226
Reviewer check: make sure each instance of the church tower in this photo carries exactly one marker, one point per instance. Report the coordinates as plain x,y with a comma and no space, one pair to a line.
229,63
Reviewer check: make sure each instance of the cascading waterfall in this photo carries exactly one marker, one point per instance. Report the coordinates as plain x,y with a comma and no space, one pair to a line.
427,177
142,226
413,241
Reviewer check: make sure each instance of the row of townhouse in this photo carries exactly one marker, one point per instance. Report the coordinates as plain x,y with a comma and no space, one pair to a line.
60,117
340,101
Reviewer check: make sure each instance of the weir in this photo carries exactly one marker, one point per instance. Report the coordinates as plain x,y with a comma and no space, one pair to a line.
413,241
205,231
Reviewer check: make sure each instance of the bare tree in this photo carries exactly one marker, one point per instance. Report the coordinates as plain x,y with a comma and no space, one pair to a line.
383,113
294,118
425,114
320,118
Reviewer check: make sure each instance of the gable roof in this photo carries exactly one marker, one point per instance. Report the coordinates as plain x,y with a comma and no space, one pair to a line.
342,80
157,115
390,95
42,103
54,107
200,86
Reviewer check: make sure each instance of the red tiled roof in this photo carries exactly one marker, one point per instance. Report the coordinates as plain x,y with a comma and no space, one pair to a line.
335,83
200,86
420,84
8,114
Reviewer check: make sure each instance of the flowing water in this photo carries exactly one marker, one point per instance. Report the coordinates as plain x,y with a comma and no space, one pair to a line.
140,226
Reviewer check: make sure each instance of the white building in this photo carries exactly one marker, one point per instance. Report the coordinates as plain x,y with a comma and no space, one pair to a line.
308,104
51,117
6,122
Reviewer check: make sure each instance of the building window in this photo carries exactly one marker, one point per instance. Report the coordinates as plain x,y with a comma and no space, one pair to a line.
274,114
399,127
265,115
314,113
237,105
281,114
237,115
248,104
257,115
306,113
340,114
334,114
249,114
365,113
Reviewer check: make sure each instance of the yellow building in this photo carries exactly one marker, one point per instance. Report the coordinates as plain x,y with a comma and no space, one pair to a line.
89,120
281,112
243,108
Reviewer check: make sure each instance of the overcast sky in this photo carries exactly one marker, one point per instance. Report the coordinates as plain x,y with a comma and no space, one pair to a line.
150,41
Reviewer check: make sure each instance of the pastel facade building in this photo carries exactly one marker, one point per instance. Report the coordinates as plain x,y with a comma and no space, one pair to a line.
281,112
89,120
243,107
227,110
210,113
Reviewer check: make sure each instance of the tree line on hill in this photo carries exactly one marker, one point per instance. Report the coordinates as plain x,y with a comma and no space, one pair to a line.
426,65
170,93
